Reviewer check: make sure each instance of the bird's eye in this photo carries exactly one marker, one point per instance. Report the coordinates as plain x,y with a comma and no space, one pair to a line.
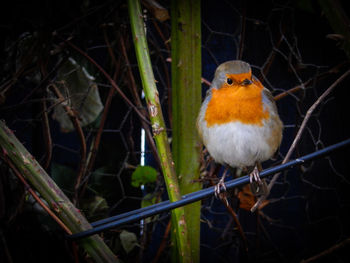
247,82
229,81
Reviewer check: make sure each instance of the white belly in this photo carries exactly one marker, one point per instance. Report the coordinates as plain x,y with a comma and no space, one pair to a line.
237,144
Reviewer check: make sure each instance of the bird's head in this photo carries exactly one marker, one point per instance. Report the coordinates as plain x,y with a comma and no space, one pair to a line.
234,73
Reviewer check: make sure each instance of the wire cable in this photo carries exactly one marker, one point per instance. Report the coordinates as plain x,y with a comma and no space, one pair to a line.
145,212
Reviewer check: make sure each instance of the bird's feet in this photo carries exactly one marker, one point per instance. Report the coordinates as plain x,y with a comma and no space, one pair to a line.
257,186
218,186
254,176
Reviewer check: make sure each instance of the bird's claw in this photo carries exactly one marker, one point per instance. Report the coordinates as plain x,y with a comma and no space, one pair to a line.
218,186
254,176
257,186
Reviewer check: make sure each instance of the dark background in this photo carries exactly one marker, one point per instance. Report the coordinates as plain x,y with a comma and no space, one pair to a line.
308,210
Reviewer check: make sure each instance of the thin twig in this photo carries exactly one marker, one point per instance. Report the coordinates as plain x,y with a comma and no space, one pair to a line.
43,81
111,54
5,248
270,59
163,244
206,82
75,252
75,121
224,200
108,102
327,251
47,136
46,123
288,92
308,82
298,136
97,139
108,77
35,196
165,41
235,218
137,100
96,142
242,35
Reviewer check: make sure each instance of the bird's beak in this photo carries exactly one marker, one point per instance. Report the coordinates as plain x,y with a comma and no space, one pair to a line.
247,82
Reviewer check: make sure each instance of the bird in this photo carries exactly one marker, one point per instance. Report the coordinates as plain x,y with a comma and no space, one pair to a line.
239,124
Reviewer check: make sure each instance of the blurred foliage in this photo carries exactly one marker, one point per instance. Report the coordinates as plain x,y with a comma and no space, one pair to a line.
143,175
64,177
95,208
128,241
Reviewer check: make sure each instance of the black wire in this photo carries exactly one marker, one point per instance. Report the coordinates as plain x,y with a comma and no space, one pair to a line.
138,214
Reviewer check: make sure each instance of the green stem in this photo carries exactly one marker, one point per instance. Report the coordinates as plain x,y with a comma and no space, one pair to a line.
158,127
41,181
186,100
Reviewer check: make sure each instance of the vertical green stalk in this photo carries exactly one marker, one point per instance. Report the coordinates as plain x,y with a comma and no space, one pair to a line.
186,101
53,195
158,127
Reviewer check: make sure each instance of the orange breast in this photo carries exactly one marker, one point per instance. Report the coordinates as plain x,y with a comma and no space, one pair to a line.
236,103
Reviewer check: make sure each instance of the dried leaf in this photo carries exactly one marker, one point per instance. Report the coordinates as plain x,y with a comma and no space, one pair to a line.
98,205
81,94
158,11
247,199
128,240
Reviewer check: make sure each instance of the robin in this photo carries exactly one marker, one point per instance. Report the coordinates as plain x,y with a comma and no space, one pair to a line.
239,123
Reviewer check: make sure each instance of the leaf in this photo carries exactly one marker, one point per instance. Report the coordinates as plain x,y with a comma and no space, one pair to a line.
81,94
95,207
128,240
97,176
143,175
148,199
64,176
247,199
101,183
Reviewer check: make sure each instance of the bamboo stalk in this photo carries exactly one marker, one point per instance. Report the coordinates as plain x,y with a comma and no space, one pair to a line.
186,100
158,128
40,180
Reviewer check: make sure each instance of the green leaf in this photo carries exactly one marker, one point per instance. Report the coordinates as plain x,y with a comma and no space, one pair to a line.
128,240
143,175
148,199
